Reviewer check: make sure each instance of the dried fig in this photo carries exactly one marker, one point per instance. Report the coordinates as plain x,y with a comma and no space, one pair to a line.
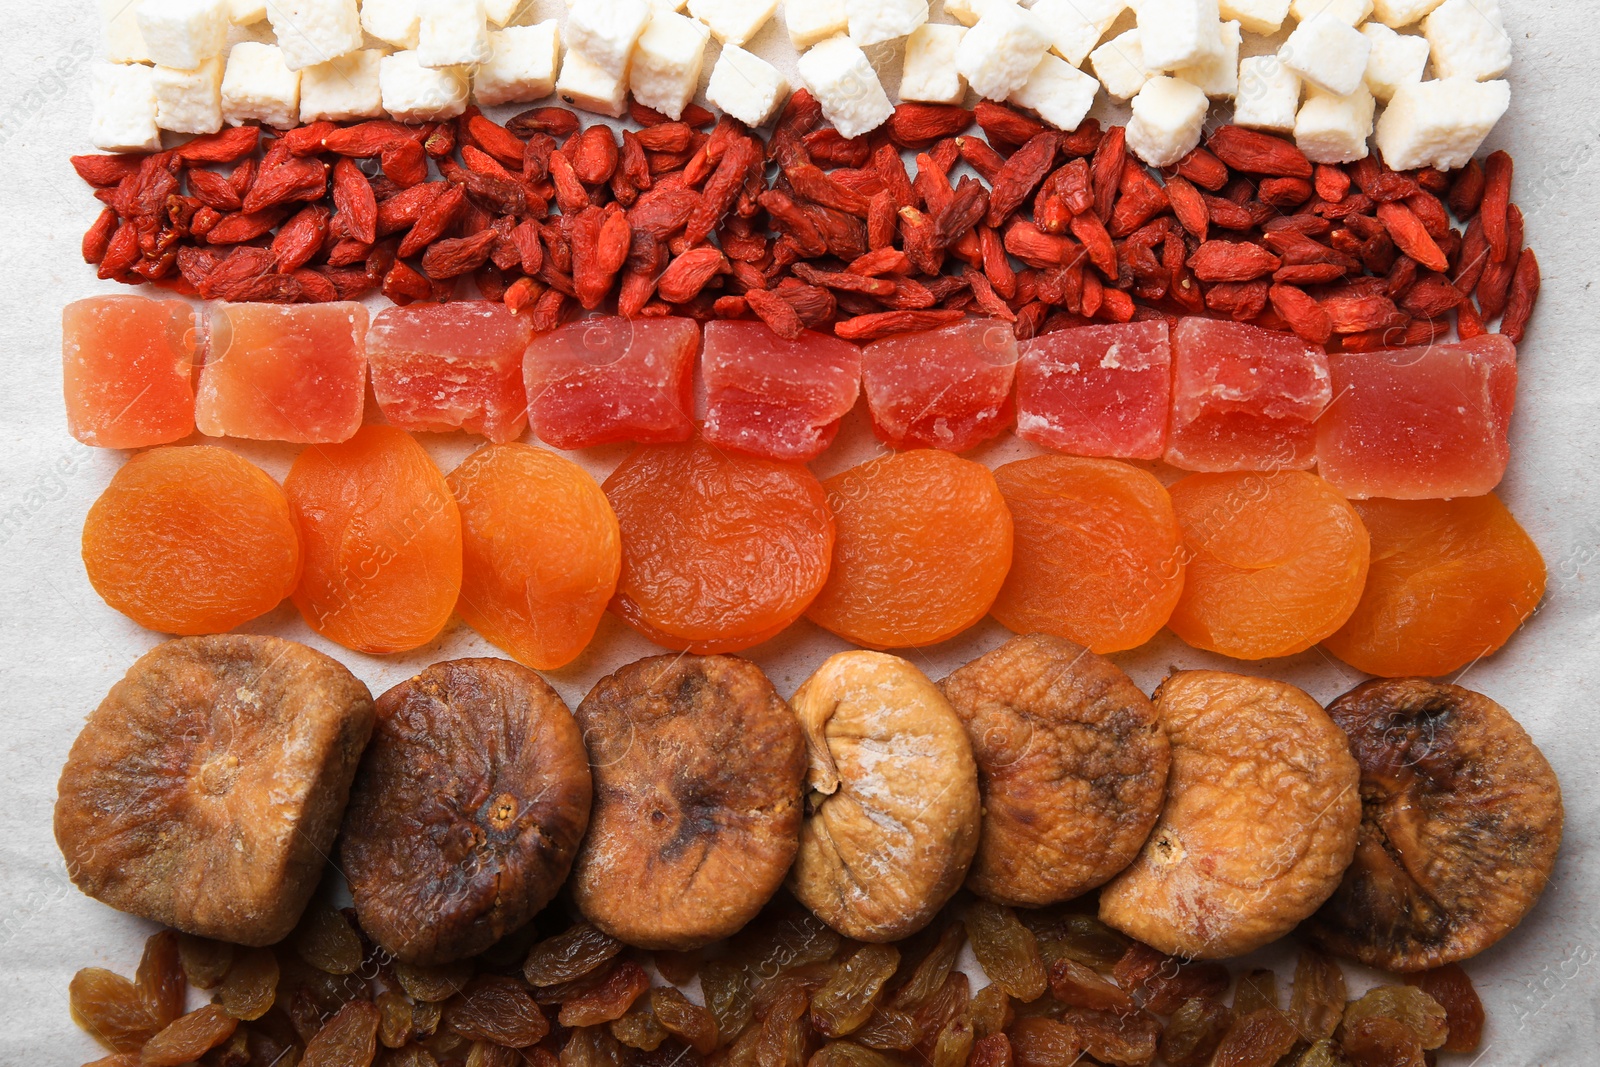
205,790
1072,765
467,811
1461,821
697,770
894,807
1261,819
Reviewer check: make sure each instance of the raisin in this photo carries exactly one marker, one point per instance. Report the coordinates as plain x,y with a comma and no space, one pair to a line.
569,955
1322,1054
1255,990
954,1044
1007,950
726,987
1450,986
679,968
251,985
990,1011
1165,981
109,1007
1041,1042
1256,1040
1193,1032
783,1029
493,1008
1074,936
1409,1005
205,962
1078,986
1378,1041
188,1038
684,1019
433,984
609,1000
159,980
848,1054
929,973
488,1054
846,1001
640,1028
326,941
948,1003
348,1039
425,1017
394,1019
1316,1003
992,1051
1124,1040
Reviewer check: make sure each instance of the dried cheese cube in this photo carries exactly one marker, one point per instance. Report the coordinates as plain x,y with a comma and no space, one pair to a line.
314,31
1179,33
606,30
666,62
1058,92
521,65
189,101
124,42
1217,75
587,86
968,12
1167,117
1468,39
258,86
1076,26
1264,17
183,33
1334,129
1400,13
810,21
501,12
1328,53
1120,66
342,89
1350,12
1397,59
733,21
393,21
876,21
415,93
839,75
746,86
453,33
124,115
997,55
929,75
246,12
1269,95
1440,123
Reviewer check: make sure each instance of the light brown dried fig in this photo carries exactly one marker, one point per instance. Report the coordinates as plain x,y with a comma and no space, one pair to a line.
697,767
893,811
467,810
1461,822
206,789
1261,819
1072,765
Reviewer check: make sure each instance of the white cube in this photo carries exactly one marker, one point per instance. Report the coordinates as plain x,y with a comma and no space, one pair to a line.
1001,50
666,62
1217,75
124,108
1120,66
670,5
1334,129
189,101
314,31
840,77
392,21
876,21
810,21
119,19
1058,92
246,12
1468,39
454,33
929,75
1328,53
1400,13
1168,115
1440,123
606,31
1350,12
733,21
343,88
1269,95
1397,59
1179,33
521,66
1256,16
258,86
501,12
587,86
968,12
415,93
1076,26
746,86
183,33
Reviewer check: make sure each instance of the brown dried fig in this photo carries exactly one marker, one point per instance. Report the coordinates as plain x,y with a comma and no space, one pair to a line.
1261,819
894,808
467,811
206,789
1072,765
1461,822
697,769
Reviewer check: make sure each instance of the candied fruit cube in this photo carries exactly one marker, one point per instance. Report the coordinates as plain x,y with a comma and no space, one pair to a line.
948,388
127,366
606,379
1419,423
774,398
1244,398
455,366
1097,390
285,373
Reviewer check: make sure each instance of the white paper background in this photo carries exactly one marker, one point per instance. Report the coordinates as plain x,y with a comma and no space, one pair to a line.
61,648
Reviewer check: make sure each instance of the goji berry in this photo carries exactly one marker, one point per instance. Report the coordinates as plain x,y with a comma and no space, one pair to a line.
231,144
1005,125
916,125
1258,153
355,203
300,238
1496,203
1524,295
437,217
556,121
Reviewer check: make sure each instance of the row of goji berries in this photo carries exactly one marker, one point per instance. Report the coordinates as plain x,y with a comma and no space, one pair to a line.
811,230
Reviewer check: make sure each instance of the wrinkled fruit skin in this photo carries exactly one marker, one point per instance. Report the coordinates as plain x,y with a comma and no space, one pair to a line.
1461,823
893,812
467,811
1072,763
1261,819
697,764
206,789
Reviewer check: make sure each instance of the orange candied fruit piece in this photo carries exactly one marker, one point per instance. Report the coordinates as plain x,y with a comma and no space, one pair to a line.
1098,553
719,551
191,540
1276,562
382,541
540,552
924,547
1451,581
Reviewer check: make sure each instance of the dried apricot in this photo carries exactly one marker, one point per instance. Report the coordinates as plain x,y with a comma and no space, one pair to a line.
1097,552
467,811
719,551
1451,580
924,545
191,540
1276,562
382,541
541,552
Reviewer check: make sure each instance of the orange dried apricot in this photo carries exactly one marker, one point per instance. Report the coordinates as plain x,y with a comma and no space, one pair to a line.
1451,581
1097,557
381,536
191,540
541,552
719,551
1276,562
924,547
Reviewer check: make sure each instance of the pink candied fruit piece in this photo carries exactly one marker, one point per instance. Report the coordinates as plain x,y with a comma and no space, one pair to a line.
607,379
278,372
1420,423
456,366
1099,391
1244,398
127,367
948,388
774,398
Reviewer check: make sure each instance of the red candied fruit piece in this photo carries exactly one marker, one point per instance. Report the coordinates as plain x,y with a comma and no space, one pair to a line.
1100,391
775,398
128,369
455,366
607,379
948,388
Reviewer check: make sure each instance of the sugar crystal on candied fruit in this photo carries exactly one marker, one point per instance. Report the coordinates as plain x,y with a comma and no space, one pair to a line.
455,366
